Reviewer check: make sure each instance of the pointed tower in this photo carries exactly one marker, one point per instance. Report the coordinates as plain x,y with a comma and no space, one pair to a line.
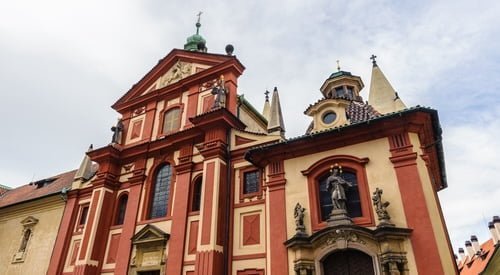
382,96
84,172
275,123
267,106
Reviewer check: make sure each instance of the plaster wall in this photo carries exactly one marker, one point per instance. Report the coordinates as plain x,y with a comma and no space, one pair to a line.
49,212
379,172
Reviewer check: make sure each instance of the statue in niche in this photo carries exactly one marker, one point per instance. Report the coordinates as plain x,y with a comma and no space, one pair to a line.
337,186
299,218
381,208
26,238
117,132
220,92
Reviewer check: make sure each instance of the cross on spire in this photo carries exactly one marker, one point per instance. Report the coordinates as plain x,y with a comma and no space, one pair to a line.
338,65
374,62
198,24
267,95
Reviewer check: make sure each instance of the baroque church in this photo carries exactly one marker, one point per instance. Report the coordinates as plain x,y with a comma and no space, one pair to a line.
197,181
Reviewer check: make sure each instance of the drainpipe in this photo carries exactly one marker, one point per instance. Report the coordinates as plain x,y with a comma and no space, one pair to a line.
228,203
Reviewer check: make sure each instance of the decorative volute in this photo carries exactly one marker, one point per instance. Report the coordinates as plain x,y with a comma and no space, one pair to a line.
382,96
275,124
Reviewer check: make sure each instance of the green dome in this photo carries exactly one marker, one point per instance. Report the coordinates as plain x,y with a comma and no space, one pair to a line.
193,41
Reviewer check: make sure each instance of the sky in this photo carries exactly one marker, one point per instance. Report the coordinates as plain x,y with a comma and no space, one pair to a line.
64,63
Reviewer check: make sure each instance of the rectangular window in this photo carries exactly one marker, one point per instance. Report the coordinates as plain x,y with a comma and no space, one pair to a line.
83,215
251,182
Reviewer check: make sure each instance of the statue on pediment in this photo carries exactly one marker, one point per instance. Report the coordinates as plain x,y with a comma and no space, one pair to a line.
220,92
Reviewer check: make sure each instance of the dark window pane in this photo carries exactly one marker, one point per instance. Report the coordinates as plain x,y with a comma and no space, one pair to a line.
83,216
161,192
251,182
353,202
122,206
195,206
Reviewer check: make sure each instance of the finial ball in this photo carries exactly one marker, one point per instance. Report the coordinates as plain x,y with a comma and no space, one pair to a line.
229,49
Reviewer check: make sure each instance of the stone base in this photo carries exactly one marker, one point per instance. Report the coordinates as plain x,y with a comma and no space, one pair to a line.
339,217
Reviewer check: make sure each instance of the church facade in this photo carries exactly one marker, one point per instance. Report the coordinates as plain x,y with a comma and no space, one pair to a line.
197,181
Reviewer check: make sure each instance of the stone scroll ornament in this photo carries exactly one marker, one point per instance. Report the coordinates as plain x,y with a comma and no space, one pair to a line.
220,92
299,219
381,208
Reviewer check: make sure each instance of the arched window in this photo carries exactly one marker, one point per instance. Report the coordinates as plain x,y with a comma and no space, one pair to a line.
171,121
160,192
353,203
357,198
196,195
120,211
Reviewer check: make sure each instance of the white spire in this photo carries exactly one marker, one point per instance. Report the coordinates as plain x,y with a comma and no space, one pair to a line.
382,96
275,123
267,107
85,171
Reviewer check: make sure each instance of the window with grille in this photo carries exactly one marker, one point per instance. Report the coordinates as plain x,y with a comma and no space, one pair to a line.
251,182
171,121
160,192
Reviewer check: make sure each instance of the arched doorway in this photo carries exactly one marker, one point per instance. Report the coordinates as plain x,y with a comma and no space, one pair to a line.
348,262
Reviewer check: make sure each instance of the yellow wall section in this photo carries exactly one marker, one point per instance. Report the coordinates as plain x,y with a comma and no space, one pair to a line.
48,211
379,171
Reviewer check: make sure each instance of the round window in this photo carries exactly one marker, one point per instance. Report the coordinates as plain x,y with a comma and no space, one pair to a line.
329,117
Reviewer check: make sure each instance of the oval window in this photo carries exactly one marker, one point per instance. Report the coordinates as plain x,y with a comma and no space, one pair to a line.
329,117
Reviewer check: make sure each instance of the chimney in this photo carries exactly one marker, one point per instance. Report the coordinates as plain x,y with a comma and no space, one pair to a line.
496,223
470,250
494,227
475,244
461,253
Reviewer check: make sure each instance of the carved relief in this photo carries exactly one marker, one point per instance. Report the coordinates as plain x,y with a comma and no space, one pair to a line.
342,236
179,71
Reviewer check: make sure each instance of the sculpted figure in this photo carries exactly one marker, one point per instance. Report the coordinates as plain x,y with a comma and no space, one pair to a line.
117,132
337,186
220,92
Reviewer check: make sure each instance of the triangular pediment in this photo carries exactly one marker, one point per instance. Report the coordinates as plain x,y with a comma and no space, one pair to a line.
29,221
171,72
150,233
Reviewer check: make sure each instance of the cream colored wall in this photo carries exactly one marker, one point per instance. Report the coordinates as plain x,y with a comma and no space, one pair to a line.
247,264
379,172
49,212
434,212
239,213
252,125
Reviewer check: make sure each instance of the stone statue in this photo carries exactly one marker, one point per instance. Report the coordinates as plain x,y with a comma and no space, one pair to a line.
337,186
117,132
299,218
381,208
220,92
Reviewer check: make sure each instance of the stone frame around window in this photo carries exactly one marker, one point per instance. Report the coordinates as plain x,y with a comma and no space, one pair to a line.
258,193
28,224
319,168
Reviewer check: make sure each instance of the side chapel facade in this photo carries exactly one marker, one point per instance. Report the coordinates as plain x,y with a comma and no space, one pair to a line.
196,181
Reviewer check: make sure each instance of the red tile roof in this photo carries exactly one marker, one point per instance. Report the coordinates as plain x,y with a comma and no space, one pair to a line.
477,263
31,191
